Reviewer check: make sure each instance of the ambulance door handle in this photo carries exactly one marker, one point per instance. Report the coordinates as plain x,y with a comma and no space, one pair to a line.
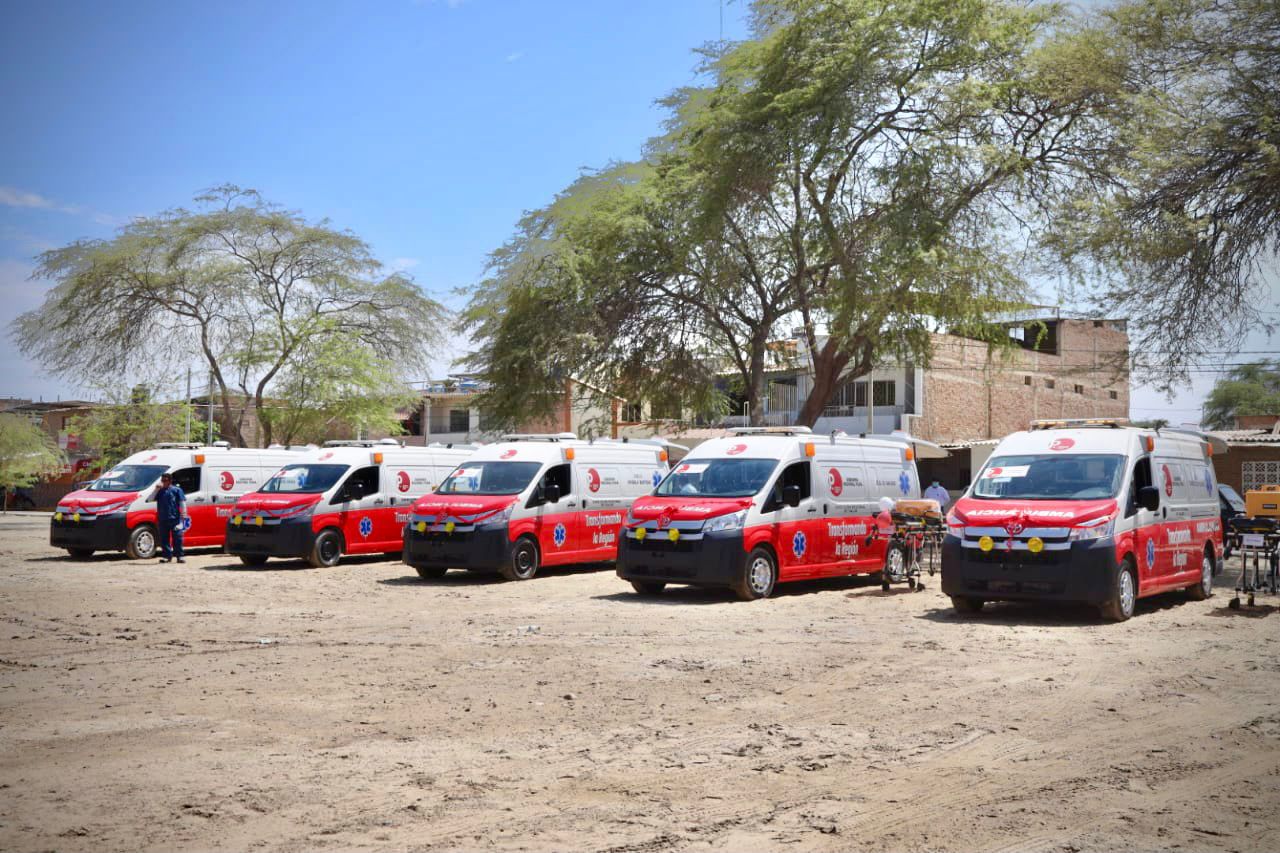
811,510
378,502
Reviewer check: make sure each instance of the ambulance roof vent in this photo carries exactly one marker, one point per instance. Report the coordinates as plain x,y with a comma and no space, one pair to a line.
390,441
223,444
540,436
774,430
275,447
1080,423
178,445
348,442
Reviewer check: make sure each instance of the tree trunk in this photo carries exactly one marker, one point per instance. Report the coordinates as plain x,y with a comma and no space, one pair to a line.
755,382
828,372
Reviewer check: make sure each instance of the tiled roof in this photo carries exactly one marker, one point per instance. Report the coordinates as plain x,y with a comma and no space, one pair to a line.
1247,436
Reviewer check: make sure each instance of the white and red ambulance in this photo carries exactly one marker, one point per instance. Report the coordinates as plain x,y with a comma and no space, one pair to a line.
532,500
117,511
1089,511
768,505
348,497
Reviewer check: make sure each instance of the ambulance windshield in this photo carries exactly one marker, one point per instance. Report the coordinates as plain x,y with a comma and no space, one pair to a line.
490,478
305,479
127,478
1059,477
718,478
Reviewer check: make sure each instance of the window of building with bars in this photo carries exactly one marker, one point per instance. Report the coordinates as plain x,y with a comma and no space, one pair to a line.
884,393
1256,474
459,420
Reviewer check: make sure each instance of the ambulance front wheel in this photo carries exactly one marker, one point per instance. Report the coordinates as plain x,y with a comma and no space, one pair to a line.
1124,594
649,587
254,559
80,553
524,560
964,604
142,542
758,577
1203,588
327,550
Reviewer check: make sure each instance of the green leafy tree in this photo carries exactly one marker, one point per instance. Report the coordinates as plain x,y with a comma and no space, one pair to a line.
336,385
1179,215
857,171
128,426
239,286
1251,389
27,453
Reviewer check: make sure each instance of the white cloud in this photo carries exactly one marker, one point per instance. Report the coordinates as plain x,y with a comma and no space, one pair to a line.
402,264
515,57
14,197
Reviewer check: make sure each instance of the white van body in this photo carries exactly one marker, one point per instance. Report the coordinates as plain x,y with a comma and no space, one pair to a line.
721,517
348,497
1058,513
117,511
496,513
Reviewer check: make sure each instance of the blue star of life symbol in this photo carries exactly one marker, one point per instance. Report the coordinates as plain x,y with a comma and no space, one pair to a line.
904,482
798,544
657,477
366,526
185,524
559,535
1208,481
1151,553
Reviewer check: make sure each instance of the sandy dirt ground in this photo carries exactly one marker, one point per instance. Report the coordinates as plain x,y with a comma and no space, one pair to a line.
208,706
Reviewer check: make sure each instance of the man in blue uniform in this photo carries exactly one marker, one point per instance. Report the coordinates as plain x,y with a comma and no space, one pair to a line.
171,510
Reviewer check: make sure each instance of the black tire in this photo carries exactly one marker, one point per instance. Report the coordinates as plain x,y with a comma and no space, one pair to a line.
80,553
143,543
1202,589
758,577
965,604
431,572
1123,598
649,587
253,559
524,561
327,550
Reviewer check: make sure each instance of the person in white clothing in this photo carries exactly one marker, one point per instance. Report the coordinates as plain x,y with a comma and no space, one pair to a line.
935,492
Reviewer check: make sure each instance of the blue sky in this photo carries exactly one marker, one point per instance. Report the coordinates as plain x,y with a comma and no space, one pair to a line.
425,126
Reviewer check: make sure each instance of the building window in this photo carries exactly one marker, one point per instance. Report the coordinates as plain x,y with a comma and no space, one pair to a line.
1255,475
1113,395
848,396
1079,389
459,420
668,409
884,393
1049,383
1026,380
633,413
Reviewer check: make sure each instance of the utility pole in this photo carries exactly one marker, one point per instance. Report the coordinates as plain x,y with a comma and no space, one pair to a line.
188,438
871,405
210,404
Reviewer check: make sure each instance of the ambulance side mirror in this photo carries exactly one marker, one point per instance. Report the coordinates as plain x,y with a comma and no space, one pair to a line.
791,495
1149,498
551,493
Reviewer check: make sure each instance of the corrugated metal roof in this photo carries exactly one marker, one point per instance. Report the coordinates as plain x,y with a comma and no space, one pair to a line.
1247,436
961,445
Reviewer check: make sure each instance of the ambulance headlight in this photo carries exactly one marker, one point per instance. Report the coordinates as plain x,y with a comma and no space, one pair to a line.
1099,528
731,521
502,516
297,512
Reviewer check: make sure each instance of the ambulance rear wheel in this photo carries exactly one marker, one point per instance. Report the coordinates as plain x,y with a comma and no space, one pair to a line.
327,550
431,572
649,587
1204,587
524,560
80,553
253,559
142,542
758,577
1124,594
964,604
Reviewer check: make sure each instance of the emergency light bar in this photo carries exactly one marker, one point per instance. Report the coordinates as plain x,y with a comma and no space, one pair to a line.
539,436
785,430
1074,423
363,442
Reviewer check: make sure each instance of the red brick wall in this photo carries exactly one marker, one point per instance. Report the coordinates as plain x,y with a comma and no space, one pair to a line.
1228,466
971,393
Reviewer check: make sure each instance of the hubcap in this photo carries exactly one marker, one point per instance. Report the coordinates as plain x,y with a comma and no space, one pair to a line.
524,561
1206,574
895,563
1126,593
146,542
329,549
761,575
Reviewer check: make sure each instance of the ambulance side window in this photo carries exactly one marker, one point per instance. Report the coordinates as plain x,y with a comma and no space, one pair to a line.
558,474
188,479
795,474
1141,477
359,485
